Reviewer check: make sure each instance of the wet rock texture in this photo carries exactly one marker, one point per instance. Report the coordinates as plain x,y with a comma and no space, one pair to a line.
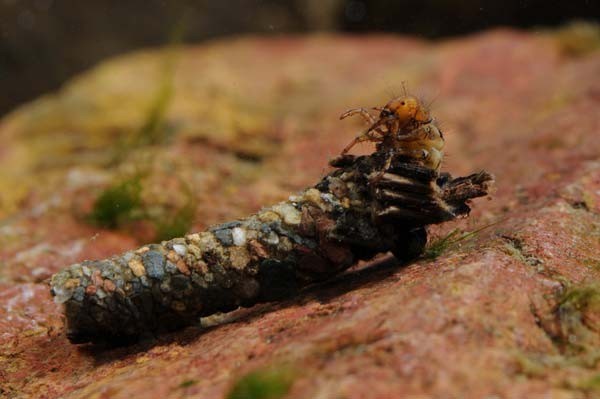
511,311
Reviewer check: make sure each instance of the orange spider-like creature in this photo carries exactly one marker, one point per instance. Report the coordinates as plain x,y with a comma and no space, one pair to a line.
404,127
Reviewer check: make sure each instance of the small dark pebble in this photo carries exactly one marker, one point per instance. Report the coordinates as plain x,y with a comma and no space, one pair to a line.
78,294
154,263
224,236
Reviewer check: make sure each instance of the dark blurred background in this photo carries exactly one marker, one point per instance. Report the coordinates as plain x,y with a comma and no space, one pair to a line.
44,42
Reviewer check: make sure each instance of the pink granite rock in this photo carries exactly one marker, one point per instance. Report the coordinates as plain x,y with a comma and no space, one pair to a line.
511,311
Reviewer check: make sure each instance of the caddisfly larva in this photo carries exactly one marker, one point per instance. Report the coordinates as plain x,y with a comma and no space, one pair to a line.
313,236
403,127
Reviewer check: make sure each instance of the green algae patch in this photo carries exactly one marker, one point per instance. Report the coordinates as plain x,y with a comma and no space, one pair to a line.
451,241
155,129
117,204
578,313
177,222
188,383
530,366
442,244
270,383
126,202
590,384
579,38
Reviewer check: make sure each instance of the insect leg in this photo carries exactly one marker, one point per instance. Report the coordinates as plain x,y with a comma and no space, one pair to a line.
388,163
360,139
370,119
421,154
414,135
367,135
435,158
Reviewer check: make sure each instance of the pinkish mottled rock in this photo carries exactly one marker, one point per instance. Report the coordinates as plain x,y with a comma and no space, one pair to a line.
510,312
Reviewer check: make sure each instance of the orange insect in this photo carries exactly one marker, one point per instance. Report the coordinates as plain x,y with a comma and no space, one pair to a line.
405,128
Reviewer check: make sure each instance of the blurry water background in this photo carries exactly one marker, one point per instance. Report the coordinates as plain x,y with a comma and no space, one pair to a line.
44,42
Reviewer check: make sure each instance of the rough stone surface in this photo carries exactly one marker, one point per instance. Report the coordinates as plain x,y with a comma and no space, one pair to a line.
154,262
511,311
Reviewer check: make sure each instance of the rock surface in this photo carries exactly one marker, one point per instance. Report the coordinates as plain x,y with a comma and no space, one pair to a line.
510,311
